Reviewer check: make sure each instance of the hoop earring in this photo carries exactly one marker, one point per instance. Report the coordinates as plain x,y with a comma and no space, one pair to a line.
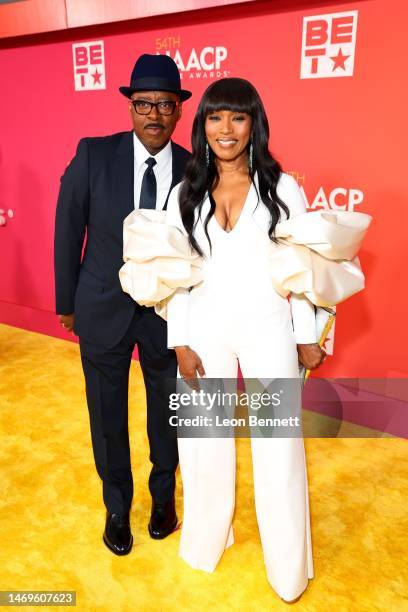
207,154
251,157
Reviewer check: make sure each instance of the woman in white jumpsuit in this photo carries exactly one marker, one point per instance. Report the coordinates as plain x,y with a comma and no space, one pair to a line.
236,315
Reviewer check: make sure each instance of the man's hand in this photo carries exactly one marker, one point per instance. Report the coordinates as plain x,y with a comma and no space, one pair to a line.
189,364
67,321
311,355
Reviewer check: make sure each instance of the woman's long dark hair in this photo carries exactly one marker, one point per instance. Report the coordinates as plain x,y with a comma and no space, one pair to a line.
237,95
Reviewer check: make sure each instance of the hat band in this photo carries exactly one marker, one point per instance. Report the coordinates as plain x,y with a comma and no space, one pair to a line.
152,83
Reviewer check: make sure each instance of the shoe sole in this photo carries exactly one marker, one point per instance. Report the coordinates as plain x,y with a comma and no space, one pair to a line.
119,554
161,537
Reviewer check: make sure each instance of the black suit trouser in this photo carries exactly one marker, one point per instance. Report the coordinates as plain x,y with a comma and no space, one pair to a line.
107,379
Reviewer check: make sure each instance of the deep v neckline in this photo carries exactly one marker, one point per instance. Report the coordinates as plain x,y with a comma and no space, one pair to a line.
211,198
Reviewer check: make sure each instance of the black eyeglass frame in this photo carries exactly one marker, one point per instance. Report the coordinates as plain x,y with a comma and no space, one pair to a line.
174,104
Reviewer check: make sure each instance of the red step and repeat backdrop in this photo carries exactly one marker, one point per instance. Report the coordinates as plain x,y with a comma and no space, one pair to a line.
333,79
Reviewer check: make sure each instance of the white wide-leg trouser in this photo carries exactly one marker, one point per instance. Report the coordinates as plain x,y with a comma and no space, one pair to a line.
279,468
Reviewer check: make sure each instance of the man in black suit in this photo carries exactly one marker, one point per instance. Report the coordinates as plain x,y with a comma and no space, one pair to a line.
108,177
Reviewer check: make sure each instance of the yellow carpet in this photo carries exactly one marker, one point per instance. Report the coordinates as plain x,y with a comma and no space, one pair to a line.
52,515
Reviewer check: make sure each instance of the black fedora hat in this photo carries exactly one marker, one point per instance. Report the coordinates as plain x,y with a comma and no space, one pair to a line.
155,73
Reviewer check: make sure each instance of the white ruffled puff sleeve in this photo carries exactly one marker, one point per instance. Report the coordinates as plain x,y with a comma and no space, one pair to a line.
160,266
316,261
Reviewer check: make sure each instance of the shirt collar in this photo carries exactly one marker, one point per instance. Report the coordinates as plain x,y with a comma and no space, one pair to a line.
141,154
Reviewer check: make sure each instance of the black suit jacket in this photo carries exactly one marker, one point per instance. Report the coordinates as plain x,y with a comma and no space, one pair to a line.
96,195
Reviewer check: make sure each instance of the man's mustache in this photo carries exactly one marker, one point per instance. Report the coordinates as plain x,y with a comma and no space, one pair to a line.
154,125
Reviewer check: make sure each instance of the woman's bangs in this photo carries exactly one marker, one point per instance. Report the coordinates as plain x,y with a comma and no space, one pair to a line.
234,106
232,96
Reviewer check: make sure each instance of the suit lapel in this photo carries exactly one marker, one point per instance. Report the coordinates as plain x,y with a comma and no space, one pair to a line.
123,175
177,171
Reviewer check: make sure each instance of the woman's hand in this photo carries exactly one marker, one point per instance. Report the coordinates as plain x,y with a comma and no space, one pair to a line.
311,355
189,364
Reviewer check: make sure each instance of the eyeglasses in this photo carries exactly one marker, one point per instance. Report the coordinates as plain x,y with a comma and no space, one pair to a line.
164,107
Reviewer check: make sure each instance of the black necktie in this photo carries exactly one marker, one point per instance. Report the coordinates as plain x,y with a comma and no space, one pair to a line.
148,191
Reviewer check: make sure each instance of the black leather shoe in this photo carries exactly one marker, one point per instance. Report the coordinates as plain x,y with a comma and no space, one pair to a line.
117,535
163,520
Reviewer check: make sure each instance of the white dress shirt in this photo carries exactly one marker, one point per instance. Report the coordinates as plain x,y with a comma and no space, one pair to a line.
162,171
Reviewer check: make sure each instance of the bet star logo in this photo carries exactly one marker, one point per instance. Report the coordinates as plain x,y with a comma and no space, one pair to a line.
328,45
89,65
96,77
339,60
